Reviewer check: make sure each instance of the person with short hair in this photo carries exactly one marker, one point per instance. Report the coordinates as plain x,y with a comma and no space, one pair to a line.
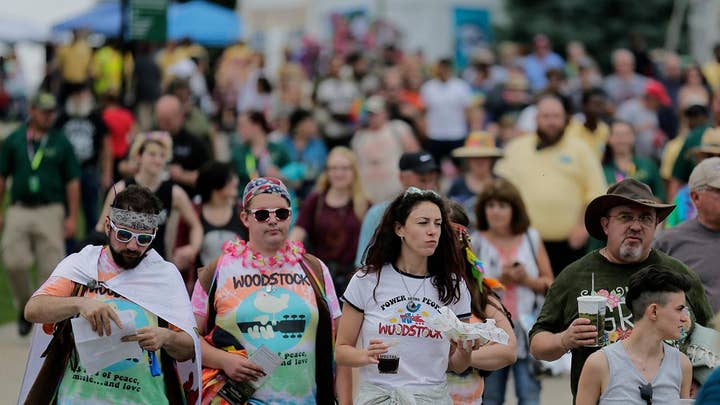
97,284
626,217
448,103
44,199
557,176
695,241
152,151
643,369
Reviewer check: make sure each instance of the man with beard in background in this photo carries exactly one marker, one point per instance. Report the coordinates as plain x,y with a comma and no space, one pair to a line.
557,176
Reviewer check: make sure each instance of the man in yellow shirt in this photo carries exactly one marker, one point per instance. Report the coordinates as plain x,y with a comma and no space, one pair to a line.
711,70
557,176
74,64
591,130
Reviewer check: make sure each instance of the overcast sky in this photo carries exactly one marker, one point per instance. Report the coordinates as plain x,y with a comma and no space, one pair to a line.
43,12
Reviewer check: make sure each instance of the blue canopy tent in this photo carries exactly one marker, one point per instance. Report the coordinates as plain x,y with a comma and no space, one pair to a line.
103,18
205,23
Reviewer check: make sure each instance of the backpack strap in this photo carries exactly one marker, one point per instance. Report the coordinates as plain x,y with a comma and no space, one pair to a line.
324,339
171,378
207,275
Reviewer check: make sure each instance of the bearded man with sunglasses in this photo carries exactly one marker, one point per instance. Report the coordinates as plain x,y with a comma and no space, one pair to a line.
267,293
97,284
626,216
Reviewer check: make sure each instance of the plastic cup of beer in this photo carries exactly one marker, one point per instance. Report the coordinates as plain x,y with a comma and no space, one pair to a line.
593,307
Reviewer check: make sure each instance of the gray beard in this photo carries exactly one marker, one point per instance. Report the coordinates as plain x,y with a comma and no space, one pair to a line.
630,253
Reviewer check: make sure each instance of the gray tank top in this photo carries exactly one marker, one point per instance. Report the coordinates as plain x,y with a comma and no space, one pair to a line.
625,379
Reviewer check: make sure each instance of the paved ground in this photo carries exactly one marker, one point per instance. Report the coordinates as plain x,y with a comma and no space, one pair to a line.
13,354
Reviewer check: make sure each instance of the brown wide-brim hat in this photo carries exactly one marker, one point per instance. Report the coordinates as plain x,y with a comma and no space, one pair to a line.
625,192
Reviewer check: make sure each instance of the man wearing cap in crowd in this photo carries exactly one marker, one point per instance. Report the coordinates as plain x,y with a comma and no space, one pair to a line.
709,147
626,217
45,196
695,242
127,285
557,176
417,169
378,147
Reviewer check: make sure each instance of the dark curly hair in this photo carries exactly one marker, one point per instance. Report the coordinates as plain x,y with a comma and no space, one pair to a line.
445,264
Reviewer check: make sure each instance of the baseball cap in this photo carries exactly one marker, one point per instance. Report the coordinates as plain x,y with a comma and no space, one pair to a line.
706,173
656,90
43,101
418,162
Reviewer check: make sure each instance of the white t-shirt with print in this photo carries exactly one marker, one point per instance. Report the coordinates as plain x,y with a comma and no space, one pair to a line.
423,351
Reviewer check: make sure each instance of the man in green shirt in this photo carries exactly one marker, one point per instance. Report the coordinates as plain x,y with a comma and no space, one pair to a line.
626,217
685,163
44,173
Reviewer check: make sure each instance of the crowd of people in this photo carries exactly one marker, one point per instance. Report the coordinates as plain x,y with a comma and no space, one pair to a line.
383,182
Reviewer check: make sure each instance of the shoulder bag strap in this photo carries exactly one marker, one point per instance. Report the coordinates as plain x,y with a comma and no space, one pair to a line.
173,385
324,341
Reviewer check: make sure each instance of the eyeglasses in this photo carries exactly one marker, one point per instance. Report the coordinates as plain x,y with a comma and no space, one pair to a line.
125,236
645,220
646,393
262,215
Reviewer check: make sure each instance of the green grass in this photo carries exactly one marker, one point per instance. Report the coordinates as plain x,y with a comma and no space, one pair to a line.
7,309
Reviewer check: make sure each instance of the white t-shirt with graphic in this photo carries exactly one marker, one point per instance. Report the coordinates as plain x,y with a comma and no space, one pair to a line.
391,314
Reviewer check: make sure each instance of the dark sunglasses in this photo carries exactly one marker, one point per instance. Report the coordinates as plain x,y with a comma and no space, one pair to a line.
646,393
125,236
262,215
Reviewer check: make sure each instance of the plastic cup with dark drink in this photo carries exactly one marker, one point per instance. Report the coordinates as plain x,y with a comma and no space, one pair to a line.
388,363
593,307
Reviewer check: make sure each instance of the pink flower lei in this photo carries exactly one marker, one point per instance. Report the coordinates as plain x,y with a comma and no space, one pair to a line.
290,254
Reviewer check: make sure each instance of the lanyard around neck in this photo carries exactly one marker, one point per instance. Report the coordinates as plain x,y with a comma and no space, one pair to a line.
36,157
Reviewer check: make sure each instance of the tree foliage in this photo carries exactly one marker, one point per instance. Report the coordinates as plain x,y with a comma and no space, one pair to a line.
602,25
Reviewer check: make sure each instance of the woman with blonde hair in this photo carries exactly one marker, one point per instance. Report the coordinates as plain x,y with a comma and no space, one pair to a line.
331,216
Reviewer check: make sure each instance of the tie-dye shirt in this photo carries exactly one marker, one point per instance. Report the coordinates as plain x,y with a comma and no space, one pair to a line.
270,302
126,382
